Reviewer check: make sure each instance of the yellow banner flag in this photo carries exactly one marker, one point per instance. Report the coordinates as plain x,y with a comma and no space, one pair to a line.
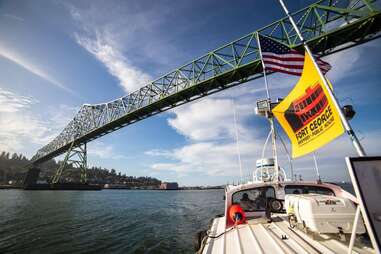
308,114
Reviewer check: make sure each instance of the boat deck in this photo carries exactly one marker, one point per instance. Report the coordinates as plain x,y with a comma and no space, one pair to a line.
260,236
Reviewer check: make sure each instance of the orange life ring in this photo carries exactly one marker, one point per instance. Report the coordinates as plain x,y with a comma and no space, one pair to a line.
236,215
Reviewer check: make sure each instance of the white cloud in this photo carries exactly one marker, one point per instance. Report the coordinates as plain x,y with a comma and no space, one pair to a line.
16,130
210,158
14,17
12,103
106,40
20,128
61,115
103,151
158,152
330,158
17,125
130,77
209,126
208,119
31,67
221,159
343,63
343,146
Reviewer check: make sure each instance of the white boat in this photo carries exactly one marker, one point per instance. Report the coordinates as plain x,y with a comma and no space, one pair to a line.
269,227
273,214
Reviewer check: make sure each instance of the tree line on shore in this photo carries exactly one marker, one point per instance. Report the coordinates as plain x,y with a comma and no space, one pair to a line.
13,168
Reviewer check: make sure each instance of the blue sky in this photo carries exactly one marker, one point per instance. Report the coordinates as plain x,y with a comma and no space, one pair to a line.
57,55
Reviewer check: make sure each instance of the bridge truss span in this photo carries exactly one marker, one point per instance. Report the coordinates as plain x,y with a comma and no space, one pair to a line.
327,25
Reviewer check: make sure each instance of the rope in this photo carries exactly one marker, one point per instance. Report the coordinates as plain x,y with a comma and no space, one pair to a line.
219,235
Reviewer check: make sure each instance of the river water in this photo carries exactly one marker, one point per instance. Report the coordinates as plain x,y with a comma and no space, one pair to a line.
107,221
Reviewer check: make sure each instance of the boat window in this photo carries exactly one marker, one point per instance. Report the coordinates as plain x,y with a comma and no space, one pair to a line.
253,199
308,189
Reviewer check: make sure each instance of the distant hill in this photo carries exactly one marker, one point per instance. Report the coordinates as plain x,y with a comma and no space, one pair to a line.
13,168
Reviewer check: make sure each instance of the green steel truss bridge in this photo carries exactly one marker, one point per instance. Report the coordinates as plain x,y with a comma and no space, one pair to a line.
328,26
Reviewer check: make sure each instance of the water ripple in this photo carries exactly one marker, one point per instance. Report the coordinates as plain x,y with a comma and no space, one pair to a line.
110,221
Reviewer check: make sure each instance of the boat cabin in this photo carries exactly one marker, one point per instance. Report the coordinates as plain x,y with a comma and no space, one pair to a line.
255,198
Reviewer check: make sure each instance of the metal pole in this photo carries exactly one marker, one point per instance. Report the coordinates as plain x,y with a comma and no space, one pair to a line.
354,229
263,67
356,143
269,115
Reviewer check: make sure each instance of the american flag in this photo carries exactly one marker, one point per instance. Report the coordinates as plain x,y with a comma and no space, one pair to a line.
278,57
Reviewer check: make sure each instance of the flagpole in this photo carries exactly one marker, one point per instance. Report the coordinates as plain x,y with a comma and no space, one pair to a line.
270,117
263,67
356,143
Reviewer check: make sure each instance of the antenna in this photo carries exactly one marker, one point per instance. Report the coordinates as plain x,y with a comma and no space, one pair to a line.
288,156
265,145
237,141
316,167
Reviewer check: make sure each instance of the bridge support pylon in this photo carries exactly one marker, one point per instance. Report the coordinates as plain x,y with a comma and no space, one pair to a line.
77,157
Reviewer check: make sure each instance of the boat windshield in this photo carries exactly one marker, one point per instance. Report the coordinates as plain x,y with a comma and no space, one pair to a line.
253,199
307,189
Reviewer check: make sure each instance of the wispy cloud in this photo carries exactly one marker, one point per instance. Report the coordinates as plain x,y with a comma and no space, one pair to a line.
18,130
103,41
14,17
344,63
209,127
130,77
12,103
21,129
208,119
210,158
17,124
104,151
158,152
32,68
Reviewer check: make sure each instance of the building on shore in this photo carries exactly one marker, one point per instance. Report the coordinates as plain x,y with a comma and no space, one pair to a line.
169,186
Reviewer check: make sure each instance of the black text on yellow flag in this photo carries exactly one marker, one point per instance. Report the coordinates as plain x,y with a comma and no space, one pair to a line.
307,114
